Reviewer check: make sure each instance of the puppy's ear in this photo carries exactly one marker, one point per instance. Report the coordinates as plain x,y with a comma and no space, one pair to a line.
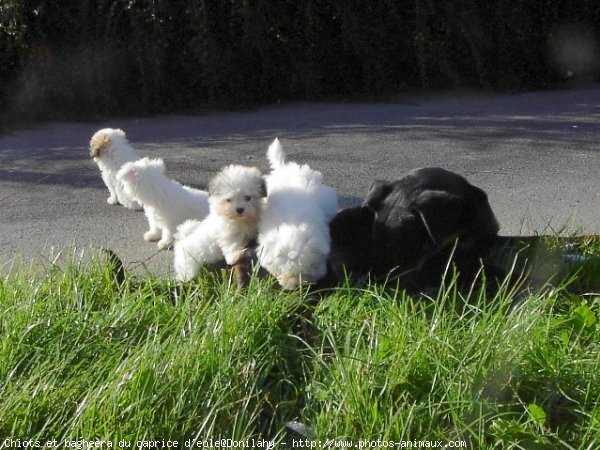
378,191
263,188
262,184
441,212
98,145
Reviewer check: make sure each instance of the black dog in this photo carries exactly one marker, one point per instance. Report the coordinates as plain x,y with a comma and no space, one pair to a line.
409,229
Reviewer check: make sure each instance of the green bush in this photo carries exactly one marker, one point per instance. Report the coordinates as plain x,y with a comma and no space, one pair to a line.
64,59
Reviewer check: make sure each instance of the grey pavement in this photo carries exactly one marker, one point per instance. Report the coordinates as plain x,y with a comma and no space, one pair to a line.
536,154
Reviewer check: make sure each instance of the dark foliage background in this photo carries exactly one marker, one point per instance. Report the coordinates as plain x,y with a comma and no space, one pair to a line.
88,58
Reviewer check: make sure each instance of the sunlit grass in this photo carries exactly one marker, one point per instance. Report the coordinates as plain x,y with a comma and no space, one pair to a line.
83,358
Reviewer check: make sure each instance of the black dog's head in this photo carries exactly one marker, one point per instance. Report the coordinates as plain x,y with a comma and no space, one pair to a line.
446,203
403,224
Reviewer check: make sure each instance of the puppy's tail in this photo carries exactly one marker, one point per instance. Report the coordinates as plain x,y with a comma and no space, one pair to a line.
275,155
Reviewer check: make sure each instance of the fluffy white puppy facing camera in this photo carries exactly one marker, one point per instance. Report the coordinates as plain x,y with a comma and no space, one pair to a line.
236,203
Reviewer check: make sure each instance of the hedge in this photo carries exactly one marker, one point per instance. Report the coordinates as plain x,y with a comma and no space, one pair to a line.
89,58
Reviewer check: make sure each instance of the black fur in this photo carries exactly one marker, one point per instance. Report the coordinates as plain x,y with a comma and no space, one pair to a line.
410,227
116,266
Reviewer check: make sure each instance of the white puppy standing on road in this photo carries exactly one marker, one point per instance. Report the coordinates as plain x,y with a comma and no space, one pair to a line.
236,202
166,202
293,233
110,149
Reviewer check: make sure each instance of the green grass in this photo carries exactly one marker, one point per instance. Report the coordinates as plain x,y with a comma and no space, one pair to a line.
81,358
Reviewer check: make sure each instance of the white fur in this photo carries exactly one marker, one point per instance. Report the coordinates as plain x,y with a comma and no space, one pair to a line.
236,202
293,233
110,149
166,202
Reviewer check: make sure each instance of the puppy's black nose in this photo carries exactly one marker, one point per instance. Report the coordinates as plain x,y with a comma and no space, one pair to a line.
239,210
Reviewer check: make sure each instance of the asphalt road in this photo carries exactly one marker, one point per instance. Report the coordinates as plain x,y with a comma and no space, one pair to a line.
536,154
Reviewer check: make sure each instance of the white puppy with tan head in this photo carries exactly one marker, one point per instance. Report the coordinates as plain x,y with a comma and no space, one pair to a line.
110,149
236,203
293,233
166,202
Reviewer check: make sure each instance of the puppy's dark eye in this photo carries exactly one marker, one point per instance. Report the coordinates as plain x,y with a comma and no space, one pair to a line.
247,198
228,200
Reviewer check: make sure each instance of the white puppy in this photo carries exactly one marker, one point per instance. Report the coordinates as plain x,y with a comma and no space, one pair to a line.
166,203
236,202
293,233
110,149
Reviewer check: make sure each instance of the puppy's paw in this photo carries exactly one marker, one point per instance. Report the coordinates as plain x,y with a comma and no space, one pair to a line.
164,244
152,236
112,201
135,206
234,257
288,282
